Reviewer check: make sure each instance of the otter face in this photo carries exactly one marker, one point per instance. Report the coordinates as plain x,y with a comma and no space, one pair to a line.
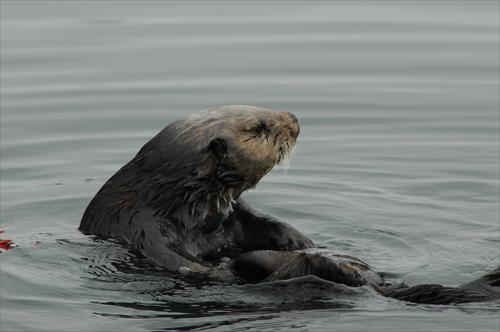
203,162
250,141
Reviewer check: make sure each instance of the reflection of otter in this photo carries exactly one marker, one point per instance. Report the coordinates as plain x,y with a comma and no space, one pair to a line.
178,202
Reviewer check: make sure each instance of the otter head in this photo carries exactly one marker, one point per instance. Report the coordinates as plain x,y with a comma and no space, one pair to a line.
246,142
209,158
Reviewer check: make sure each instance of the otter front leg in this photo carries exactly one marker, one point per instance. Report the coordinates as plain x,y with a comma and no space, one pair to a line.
277,235
261,232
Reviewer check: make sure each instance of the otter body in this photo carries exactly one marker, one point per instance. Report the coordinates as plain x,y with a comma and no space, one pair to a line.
178,200
178,203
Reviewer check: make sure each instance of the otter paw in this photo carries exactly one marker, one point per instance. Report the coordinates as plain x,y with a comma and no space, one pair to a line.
285,237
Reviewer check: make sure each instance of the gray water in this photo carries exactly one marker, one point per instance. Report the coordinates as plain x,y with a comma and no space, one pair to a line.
397,162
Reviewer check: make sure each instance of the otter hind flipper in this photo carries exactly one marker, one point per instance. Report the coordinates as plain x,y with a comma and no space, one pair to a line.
434,294
489,284
268,265
486,288
315,264
256,266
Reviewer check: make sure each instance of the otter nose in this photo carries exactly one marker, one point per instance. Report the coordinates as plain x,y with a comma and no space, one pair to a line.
294,128
293,117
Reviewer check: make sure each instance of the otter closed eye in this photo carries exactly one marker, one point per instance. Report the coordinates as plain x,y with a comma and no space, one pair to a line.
260,127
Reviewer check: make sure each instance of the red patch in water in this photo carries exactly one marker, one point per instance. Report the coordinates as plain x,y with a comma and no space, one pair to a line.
6,244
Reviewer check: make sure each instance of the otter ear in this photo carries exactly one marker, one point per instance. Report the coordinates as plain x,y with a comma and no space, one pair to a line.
218,146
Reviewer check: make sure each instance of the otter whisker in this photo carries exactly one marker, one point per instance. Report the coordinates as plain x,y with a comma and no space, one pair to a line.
283,155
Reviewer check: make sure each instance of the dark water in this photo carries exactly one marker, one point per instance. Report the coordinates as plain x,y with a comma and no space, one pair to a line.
397,162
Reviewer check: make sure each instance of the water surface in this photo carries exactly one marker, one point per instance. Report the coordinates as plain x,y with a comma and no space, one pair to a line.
397,162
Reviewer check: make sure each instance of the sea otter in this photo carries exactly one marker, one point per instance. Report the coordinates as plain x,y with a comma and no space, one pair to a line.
178,203
178,200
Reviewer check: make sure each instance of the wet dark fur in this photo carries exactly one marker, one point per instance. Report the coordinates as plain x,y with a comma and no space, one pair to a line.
178,203
177,200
